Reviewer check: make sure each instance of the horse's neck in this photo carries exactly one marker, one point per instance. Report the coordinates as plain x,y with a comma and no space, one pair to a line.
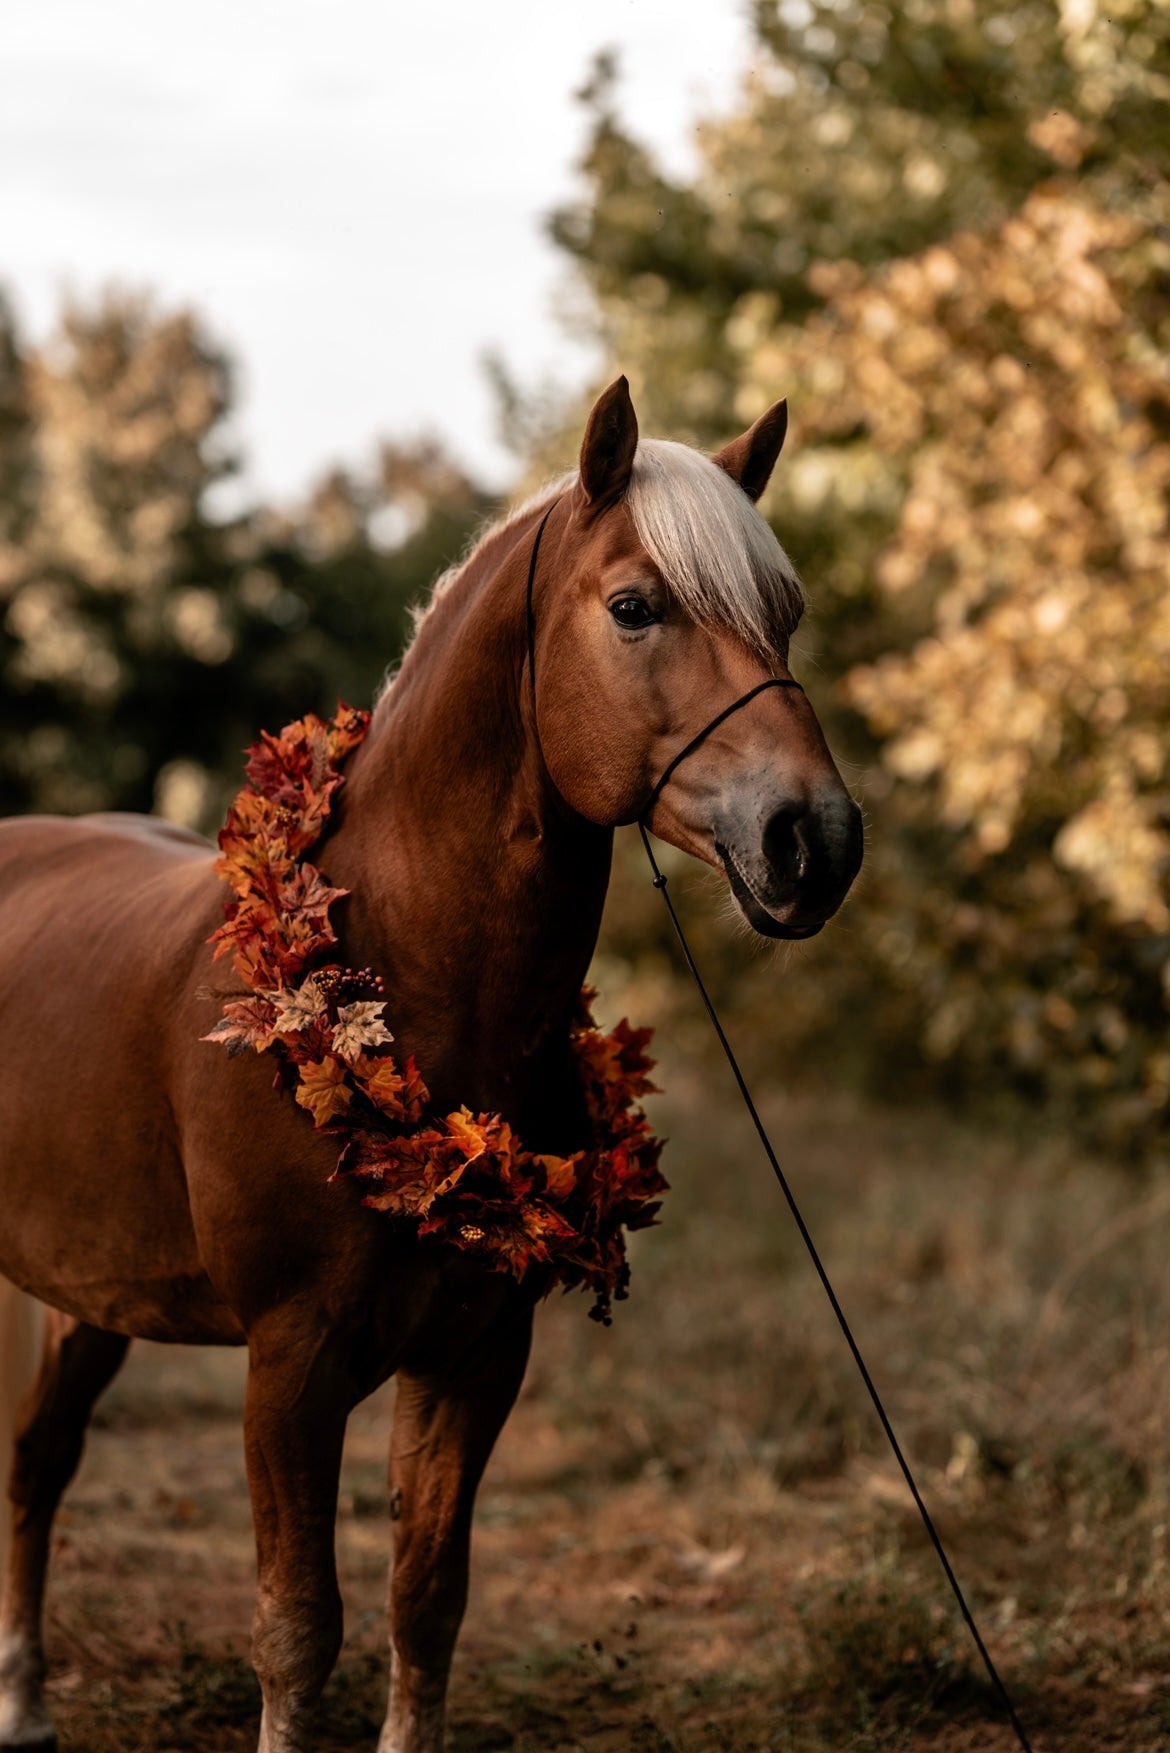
475,891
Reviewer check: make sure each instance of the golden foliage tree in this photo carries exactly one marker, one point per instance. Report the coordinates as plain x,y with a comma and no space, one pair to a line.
941,229
1012,388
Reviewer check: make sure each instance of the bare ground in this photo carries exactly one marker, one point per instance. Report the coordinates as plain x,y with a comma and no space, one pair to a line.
690,1538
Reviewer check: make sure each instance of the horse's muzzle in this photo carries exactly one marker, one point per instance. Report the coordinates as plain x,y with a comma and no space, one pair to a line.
790,873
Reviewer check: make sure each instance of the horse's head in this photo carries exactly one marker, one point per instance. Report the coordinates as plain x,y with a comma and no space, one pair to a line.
661,599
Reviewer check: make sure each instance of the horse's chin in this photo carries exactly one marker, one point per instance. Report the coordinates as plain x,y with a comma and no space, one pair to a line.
757,915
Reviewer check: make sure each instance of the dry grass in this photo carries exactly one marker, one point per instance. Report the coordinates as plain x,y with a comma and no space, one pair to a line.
691,1538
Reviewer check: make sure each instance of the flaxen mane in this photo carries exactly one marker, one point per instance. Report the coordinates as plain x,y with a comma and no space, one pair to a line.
718,557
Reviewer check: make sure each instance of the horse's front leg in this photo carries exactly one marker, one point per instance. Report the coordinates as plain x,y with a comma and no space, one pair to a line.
295,1410
444,1430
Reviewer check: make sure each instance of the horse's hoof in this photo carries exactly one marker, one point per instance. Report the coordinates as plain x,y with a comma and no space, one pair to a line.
31,1732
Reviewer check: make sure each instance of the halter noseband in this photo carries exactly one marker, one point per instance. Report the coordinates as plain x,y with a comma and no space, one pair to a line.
696,742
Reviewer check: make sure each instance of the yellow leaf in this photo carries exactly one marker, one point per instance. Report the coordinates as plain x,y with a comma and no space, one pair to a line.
322,1089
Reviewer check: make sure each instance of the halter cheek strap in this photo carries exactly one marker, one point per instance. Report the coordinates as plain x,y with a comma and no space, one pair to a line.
532,559
676,761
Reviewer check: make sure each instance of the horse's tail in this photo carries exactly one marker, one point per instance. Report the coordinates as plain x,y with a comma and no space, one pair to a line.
22,1332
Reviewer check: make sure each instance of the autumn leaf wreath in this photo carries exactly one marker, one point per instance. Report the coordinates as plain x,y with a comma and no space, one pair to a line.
463,1178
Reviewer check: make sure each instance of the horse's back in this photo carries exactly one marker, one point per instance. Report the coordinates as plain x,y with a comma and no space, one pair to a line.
103,922
95,909
30,846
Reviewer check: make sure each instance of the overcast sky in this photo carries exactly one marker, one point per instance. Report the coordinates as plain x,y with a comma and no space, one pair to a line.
350,191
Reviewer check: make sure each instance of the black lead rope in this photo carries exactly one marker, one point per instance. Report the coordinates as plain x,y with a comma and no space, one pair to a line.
842,1322
790,1198
660,884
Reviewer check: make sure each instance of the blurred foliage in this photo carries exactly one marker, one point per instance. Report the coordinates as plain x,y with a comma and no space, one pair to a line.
143,636
942,230
863,132
1016,387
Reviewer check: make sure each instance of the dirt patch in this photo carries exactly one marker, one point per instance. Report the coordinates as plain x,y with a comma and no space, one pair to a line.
690,1538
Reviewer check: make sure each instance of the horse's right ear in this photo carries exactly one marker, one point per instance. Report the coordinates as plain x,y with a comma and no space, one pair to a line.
750,459
607,450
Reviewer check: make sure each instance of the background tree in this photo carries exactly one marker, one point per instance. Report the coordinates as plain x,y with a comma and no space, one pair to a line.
862,132
941,228
145,635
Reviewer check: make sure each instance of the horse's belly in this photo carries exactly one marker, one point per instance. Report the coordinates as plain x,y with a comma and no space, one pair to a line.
94,1216
173,1311
94,1229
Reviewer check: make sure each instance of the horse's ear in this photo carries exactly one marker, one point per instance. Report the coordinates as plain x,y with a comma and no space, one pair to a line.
607,450
751,458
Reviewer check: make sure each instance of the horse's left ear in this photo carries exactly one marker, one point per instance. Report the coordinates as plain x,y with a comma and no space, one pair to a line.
750,459
607,450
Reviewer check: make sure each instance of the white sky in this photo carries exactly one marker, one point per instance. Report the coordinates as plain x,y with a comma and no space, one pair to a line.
351,192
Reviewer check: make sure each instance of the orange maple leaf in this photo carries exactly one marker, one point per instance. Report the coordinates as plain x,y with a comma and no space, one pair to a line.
382,1082
633,1058
282,767
466,1179
560,1174
404,1199
469,1134
323,1090
306,892
349,728
415,1095
254,838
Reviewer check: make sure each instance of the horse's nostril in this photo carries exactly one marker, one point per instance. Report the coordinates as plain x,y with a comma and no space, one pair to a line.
786,844
803,849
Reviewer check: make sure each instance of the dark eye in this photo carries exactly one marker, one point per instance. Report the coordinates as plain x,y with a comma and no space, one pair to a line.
632,613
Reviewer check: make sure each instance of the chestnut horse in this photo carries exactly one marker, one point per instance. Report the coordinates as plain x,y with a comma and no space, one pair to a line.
150,1185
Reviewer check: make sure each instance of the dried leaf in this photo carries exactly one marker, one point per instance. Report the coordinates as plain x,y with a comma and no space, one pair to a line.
359,1025
297,1008
246,1022
466,1179
322,1089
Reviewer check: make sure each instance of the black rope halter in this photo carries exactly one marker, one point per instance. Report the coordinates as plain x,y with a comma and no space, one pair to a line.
696,742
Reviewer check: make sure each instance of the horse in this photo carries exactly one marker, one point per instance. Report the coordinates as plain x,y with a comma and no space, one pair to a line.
152,1186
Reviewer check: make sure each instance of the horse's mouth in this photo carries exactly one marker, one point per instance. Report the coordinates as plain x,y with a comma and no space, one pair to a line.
753,909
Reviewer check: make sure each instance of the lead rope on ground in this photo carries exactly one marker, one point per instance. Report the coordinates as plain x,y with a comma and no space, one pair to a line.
940,1551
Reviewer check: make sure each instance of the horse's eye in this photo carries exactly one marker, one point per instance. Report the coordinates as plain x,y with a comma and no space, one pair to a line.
631,613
